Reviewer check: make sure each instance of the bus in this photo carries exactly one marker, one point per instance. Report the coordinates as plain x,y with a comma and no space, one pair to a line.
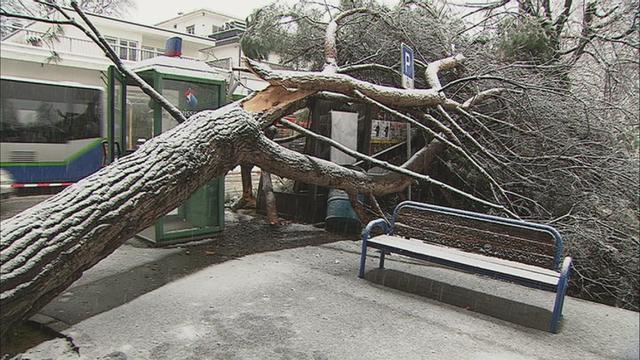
51,133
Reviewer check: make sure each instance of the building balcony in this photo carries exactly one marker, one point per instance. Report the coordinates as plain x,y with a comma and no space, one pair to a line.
28,44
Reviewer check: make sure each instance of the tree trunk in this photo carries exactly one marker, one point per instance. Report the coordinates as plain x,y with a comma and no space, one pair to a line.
44,249
269,198
247,200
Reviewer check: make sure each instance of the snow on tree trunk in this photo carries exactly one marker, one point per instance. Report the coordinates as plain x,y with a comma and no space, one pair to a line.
44,249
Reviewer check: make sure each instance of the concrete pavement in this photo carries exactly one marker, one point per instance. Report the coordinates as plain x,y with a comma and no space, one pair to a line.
307,303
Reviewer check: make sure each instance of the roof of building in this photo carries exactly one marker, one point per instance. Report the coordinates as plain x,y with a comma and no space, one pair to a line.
181,66
197,11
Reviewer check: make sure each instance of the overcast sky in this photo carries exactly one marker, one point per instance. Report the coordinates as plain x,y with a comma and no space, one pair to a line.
153,11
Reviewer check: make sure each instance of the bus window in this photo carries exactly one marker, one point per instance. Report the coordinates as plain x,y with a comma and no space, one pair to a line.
43,113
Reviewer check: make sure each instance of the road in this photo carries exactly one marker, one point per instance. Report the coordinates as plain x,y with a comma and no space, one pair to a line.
308,303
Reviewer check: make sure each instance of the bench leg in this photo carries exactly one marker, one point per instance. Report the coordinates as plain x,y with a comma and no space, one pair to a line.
381,266
561,291
363,257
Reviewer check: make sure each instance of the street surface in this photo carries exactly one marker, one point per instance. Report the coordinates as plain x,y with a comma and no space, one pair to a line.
256,292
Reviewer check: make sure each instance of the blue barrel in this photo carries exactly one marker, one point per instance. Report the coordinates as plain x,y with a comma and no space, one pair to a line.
173,47
340,215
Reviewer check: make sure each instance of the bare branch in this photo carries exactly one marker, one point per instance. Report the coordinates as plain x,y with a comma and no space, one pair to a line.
330,48
287,139
362,67
33,18
397,169
431,73
346,85
482,96
146,88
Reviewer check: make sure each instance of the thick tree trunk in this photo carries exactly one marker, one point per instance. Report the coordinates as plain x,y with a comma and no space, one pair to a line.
44,249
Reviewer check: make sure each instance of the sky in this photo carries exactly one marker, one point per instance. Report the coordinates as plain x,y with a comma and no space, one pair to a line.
154,11
151,12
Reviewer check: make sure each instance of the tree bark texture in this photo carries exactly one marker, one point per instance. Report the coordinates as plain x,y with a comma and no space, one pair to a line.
46,248
269,198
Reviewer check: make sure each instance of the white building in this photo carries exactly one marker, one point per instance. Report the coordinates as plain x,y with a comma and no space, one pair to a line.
51,117
206,35
226,30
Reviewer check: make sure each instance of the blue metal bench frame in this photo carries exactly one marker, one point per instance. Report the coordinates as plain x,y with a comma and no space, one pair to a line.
563,267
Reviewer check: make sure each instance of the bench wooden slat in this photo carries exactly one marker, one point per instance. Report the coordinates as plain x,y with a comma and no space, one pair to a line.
463,230
492,244
524,233
547,278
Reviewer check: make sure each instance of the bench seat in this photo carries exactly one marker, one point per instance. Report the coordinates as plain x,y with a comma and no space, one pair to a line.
532,276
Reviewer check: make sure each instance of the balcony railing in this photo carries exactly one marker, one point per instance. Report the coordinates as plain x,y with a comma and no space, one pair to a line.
73,45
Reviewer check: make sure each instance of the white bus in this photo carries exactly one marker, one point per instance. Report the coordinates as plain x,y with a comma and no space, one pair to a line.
51,134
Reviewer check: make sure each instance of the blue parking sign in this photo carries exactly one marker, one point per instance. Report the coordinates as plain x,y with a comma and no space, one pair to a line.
407,67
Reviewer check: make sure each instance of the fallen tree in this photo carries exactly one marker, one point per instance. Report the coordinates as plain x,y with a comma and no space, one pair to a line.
44,249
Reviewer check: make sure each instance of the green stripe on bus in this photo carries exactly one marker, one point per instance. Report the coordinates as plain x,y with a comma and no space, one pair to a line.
64,162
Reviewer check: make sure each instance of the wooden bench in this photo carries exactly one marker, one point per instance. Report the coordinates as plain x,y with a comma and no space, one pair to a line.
521,252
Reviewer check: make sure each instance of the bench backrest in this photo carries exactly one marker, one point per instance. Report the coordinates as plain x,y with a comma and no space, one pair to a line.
510,239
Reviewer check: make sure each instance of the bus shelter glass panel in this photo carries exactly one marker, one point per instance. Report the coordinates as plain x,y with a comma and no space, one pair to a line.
139,118
116,113
189,97
199,214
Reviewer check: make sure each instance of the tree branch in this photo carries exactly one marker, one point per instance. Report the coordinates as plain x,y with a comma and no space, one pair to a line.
431,73
344,84
379,185
330,48
33,18
146,88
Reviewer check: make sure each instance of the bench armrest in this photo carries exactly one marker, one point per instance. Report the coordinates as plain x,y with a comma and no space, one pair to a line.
373,224
366,232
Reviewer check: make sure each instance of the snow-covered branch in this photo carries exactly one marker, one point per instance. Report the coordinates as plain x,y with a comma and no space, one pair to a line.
344,84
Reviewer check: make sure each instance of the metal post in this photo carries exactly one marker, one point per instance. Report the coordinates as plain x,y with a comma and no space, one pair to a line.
409,156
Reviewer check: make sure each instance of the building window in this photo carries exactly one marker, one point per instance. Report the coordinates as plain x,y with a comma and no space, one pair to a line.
128,50
191,29
113,42
149,52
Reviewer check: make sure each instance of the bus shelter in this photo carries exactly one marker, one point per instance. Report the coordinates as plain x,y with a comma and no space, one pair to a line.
133,118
